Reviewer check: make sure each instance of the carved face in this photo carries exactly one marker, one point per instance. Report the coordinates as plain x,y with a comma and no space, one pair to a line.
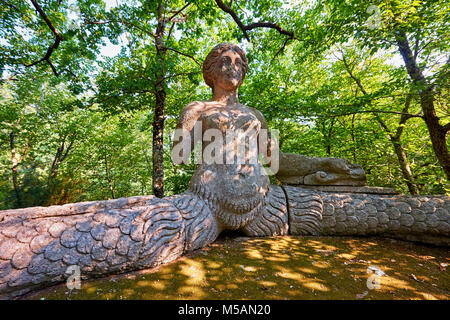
228,70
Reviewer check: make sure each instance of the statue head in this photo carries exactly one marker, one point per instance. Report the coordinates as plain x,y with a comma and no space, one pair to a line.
225,65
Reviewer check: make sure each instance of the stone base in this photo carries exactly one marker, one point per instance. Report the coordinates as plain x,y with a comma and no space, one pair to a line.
351,189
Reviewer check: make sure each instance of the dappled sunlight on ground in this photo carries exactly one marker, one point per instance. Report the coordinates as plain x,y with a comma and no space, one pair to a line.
283,268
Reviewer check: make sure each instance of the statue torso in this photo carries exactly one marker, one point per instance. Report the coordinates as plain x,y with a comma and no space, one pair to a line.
237,188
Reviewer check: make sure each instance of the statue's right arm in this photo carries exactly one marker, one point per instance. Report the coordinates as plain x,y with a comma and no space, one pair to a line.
184,131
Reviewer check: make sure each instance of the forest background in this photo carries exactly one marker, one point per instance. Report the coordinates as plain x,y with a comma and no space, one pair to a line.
91,90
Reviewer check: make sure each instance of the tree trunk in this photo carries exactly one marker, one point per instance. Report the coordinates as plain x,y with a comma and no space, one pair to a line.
404,165
158,118
61,154
327,135
437,131
15,164
108,177
354,151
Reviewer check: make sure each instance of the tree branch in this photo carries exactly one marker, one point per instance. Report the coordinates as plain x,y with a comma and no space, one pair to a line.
447,127
179,11
378,111
56,73
9,79
58,37
69,147
177,75
252,26
404,117
233,14
54,46
86,22
281,49
183,54
416,47
271,25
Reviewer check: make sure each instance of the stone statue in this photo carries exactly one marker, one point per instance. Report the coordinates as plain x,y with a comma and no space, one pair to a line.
38,245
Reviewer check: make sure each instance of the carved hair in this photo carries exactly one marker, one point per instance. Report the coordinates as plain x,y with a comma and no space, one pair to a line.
211,59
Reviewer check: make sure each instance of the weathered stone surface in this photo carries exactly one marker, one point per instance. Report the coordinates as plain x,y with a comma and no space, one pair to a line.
98,232
137,232
84,226
273,220
69,238
39,243
400,217
125,224
372,222
21,258
25,235
329,222
38,264
73,208
85,243
394,225
8,230
350,210
403,207
380,205
328,209
419,227
418,215
383,218
123,245
99,252
341,227
371,209
8,247
362,215
393,213
305,211
432,220
112,220
406,220
428,208
352,221
443,214
54,251
56,229
444,227
57,270
111,237
114,259
71,257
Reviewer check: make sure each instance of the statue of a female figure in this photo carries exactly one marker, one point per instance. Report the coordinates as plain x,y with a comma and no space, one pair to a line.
240,189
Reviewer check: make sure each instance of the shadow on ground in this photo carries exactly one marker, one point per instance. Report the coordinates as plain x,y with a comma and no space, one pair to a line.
283,268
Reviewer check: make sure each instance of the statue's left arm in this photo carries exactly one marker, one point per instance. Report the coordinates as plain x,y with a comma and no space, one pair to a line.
300,169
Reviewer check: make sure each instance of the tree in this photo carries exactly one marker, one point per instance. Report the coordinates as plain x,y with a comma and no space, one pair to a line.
394,25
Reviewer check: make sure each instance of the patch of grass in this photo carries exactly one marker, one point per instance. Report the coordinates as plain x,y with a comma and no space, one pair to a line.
283,268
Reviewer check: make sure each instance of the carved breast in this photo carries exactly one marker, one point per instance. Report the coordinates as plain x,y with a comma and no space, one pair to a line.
230,118
237,189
